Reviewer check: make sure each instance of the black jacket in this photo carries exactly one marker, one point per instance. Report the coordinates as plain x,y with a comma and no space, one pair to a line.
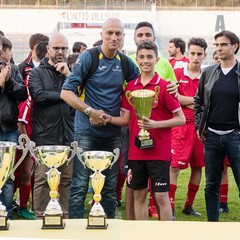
11,94
202,99
52,122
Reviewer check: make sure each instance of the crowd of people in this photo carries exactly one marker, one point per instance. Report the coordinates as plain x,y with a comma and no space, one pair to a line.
191,124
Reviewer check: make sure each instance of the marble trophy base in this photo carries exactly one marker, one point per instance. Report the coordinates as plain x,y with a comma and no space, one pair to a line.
53,222
97,222
145,143
4,225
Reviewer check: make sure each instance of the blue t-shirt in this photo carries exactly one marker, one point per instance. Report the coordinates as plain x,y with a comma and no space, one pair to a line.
102,91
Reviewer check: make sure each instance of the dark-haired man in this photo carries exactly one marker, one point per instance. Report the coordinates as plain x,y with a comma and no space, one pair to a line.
217,117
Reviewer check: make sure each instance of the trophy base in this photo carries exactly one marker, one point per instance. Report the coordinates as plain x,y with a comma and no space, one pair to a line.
145,143
4,225
97,222
53,222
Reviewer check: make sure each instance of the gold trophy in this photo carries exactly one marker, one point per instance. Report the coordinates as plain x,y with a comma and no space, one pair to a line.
143,101
54,157
7,168
97,161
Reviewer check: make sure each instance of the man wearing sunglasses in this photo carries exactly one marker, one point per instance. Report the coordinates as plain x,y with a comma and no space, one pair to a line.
217,117
52,118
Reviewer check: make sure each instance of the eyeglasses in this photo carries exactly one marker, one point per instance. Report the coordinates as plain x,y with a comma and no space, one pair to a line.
57,49
221,44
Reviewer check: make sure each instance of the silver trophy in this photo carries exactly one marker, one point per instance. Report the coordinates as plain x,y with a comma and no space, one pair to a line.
54,157
97,161
7,168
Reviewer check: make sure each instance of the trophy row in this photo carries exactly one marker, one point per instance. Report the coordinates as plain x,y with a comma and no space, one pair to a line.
55,156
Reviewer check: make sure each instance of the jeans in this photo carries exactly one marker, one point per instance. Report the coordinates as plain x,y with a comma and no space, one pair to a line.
80,179
216,148
6,197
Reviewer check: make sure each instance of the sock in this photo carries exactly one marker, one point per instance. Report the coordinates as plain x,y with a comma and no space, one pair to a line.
223,193
24,192
171,195
192,191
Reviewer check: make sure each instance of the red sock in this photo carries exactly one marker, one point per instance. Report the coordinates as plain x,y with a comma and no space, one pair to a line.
171,195
120,182
224,193
192,191
151,199
24,192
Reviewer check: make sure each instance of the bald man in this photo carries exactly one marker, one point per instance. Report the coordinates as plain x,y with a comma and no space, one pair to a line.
52,119
102,95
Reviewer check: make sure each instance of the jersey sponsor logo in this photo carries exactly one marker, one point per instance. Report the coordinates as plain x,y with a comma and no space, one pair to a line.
102,68
181,163
129,176
117,69
183,81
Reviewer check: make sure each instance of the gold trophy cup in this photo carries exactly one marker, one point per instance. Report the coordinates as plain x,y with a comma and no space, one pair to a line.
7,168
54,157
97,161
143,101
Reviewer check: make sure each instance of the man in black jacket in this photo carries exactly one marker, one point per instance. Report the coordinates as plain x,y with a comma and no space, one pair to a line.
52,120
12,91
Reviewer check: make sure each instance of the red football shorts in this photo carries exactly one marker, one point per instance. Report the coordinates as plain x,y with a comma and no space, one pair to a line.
187,149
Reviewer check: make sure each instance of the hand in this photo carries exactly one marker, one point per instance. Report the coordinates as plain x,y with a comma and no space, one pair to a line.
62,67
172,87
4,74
146,123
106,119
96,117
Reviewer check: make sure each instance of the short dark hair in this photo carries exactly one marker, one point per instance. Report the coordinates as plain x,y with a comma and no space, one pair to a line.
36,39
76,48
72,58
1,33
6,43
231,36
41,50
144,24
149,46
198,42
98,42
179,43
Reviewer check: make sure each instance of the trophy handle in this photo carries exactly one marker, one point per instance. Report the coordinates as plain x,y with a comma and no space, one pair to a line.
80,156
116,154
72,151
129,97
155,101
24,145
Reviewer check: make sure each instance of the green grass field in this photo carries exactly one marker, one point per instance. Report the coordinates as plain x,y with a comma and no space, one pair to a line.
199,204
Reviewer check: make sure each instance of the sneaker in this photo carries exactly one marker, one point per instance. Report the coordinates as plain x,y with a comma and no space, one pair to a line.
118,203
189,210
224,208
24,213
15,207
152,212
173,215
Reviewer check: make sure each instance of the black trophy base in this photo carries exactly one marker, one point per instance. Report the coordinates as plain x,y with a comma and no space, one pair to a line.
53,222
4,225
145,143
97,222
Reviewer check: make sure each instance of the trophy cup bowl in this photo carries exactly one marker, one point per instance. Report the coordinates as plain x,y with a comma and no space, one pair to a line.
97,161
7,168
53,157
142,101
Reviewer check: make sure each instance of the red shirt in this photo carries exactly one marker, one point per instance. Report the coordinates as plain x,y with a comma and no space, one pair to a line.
178,63
187,87
167,104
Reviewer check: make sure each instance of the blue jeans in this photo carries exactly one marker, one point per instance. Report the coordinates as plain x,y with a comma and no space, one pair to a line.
80,179
6,197
216,148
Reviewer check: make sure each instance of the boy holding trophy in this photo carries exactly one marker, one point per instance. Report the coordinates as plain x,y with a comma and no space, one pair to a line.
150,112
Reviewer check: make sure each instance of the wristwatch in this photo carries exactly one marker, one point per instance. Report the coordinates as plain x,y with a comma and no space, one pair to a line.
87,111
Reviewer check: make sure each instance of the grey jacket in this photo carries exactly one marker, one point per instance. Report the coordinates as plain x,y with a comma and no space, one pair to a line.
202,99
